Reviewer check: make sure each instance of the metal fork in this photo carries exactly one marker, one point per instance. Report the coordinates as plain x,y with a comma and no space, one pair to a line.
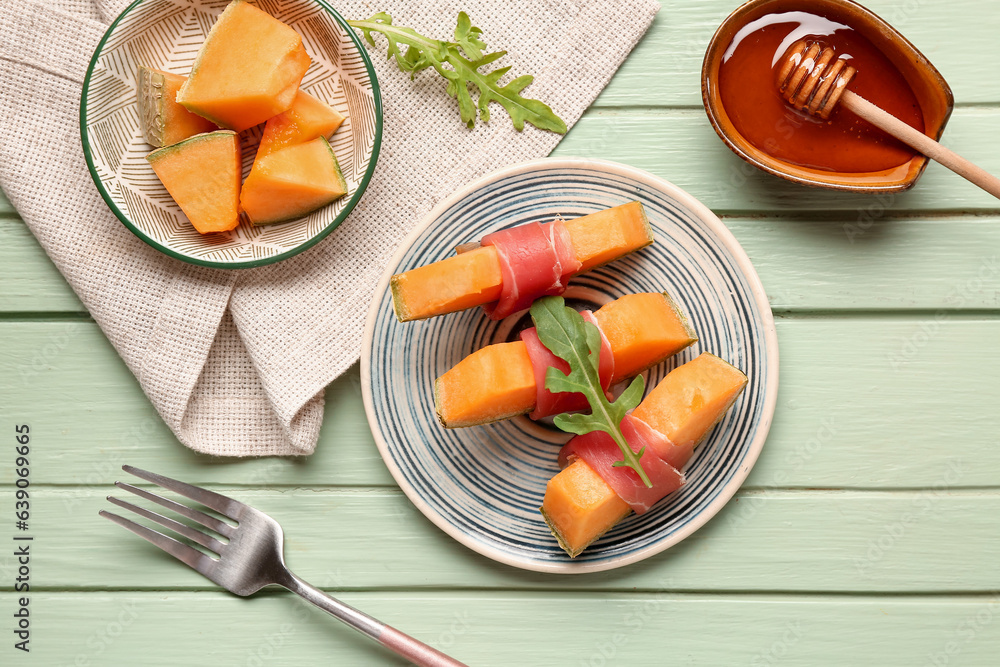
252,558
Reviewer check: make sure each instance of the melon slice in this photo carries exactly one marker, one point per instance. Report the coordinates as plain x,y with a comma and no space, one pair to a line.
247,71
292,182
607,235
307,119
692,399
643,329
202,174
163,120
684,406
497,382
461,282
580,507
493,383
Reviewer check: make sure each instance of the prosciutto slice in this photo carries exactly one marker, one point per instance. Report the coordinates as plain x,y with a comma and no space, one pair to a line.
548,403
600,452
535,260
675,455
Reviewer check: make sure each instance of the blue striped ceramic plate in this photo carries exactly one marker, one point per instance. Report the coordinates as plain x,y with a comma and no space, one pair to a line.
483,485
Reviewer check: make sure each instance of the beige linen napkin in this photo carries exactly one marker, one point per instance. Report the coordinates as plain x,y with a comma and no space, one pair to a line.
236,361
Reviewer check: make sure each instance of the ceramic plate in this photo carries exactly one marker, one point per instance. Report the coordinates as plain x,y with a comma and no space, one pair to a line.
483,485
166,34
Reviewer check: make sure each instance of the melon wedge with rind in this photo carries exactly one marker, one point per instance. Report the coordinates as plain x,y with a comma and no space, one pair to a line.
308,118
684,406
497,381
473,278
292,182
202,174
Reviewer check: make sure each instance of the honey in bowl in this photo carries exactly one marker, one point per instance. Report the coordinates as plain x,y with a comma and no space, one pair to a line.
745,107
845,142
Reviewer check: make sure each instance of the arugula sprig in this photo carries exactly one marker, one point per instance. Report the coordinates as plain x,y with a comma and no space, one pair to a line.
578,343
459,62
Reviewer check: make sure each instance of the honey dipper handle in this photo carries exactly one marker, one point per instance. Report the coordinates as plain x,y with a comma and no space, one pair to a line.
921,142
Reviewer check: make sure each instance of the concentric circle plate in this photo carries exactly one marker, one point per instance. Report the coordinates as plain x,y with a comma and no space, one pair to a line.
483,485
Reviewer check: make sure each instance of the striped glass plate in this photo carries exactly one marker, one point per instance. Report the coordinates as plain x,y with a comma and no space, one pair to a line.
483,485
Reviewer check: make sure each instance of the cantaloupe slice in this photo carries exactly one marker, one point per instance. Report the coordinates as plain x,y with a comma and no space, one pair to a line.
692,399
473,278
247,71
292,182
493,383
605,236
163,120
684,406
580,507
307,119
496,382
643,330
202,174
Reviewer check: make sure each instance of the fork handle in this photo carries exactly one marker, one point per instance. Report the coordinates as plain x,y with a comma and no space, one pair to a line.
400,643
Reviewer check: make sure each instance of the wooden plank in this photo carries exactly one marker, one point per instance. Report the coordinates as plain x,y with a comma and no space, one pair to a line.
895,262
853,262
665,69
680,146
89,417
173,629
31,282
860,406
762,541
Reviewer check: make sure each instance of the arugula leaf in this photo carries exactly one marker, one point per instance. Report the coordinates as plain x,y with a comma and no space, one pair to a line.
459,63
578,343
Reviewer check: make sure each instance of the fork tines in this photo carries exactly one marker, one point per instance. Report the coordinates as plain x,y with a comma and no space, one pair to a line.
198,560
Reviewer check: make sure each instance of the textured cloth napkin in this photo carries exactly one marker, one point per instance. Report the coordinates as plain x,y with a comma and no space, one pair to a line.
236,361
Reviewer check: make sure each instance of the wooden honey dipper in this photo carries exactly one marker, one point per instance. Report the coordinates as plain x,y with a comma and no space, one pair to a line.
813,80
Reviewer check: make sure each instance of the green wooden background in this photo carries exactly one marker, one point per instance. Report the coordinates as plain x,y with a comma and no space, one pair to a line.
867,534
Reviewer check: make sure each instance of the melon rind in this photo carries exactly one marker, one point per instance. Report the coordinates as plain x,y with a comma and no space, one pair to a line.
162,120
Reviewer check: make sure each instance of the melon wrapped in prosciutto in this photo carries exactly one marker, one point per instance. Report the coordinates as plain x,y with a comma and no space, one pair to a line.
474,277
590,495
499,381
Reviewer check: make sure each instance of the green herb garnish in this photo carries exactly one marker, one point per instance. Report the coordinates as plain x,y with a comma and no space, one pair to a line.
459,63
578,343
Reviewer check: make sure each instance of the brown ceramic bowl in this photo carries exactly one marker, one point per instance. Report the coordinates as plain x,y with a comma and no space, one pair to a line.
932,92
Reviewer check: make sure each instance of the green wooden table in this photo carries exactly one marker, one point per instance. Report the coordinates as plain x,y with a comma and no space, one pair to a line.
867,533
